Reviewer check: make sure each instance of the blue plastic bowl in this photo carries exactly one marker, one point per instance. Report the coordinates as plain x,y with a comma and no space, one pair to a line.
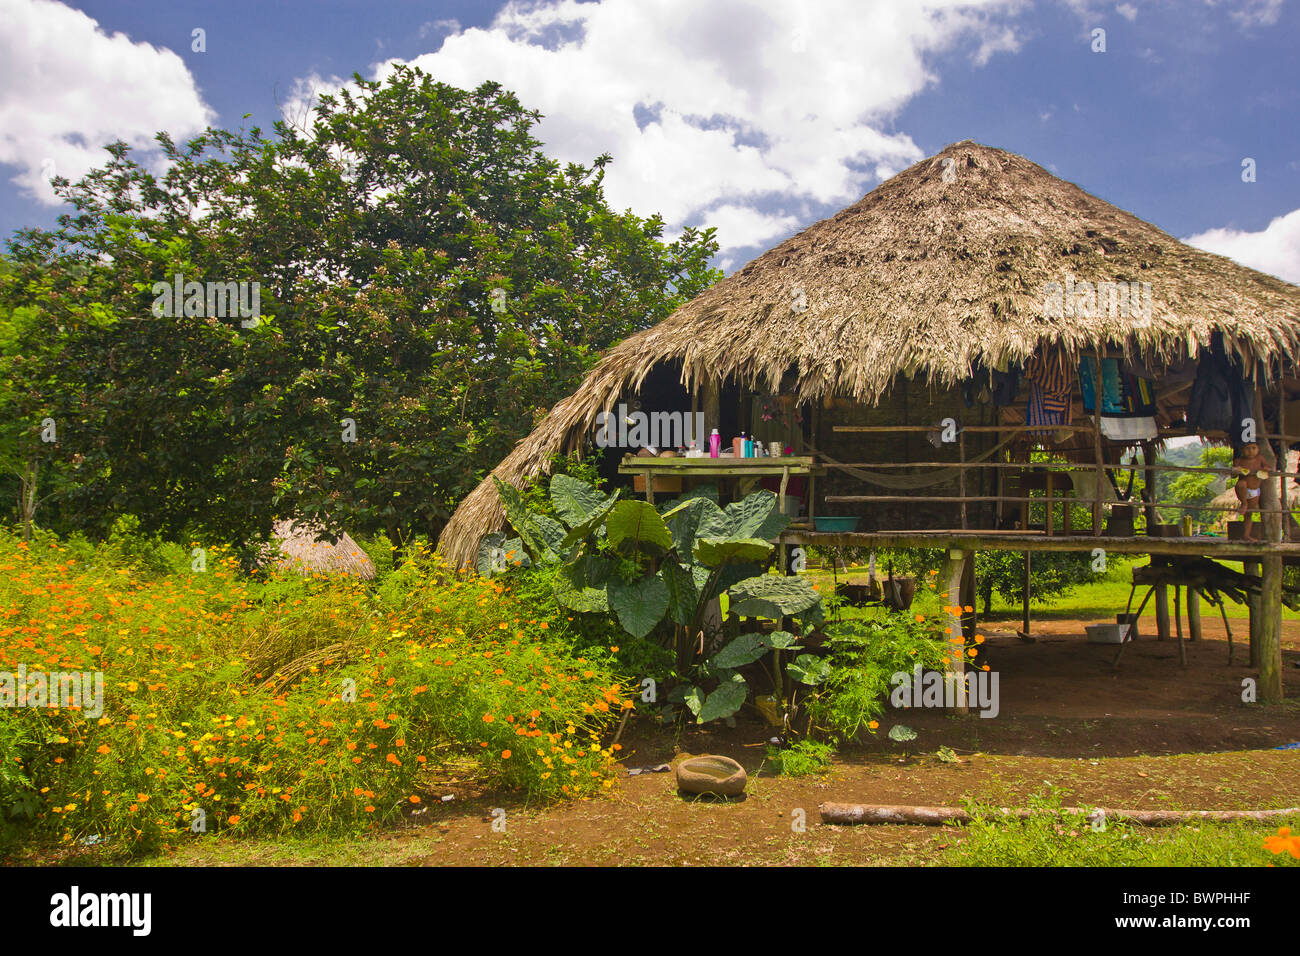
836,523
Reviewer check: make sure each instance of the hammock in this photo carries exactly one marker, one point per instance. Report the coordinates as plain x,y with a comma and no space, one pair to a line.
922,478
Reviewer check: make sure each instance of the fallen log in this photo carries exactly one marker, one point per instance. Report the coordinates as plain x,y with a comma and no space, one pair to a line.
849,814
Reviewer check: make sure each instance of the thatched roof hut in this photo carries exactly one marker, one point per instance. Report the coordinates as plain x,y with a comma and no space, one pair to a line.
938,268
301,549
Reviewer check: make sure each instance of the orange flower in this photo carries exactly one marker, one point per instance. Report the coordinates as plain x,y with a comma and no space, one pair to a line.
505,755
488,718
414,799
232,820
1284,842
920,618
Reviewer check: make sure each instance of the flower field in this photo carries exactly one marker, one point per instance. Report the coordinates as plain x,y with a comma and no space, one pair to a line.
282,704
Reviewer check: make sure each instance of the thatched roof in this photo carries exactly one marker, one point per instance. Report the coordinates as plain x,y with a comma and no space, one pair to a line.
1228,497
937,268
301,550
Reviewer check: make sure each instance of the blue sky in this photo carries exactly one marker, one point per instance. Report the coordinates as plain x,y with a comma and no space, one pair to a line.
753,116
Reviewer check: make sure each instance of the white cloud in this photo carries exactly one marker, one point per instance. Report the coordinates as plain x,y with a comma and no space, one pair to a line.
67,88
1257,13
761,105
1127,11
1275,249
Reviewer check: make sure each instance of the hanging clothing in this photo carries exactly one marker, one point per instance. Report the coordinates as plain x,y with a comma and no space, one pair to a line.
1050,386
1006,385
1220,397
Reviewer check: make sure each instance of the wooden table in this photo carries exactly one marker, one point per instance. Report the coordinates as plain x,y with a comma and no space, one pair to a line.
782,467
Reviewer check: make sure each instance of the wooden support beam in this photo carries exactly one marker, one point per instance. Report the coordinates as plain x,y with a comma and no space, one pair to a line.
1270,636
953,573
1096,447
1162,612
1193,614
1025,593
1217,548
1252,603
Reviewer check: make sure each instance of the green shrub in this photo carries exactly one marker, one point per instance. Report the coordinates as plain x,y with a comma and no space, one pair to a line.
801,758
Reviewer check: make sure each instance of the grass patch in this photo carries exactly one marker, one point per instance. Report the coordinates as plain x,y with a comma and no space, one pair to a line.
1055,838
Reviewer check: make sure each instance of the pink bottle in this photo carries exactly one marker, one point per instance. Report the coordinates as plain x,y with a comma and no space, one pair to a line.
715,444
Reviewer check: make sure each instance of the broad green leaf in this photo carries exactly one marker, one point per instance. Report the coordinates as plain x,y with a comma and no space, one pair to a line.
756,516
809,669
640,605
901,733
773,596
683,593
697,517
635,528
491,556
693,697
743,650
584,528
719,551
575,501
724,701
512,503
551,532
573,590
780,640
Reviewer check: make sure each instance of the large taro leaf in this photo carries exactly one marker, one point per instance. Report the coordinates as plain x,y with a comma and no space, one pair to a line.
775,596
809,669
497,554
575,590
575,501
591,523
695,518
692,697
725,700
491,556
780,640
512,503
639,605
683,591
551,532
715,552
756,516
635,528
743,650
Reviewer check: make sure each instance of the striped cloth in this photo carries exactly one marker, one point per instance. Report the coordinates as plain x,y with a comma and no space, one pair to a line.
1051,381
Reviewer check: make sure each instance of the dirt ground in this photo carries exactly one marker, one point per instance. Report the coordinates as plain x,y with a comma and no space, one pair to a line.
1148,734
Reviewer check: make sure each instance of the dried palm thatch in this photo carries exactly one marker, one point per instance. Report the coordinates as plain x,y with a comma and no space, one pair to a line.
301,548
936,269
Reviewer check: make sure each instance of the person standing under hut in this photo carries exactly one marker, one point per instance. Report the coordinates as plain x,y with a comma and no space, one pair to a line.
1253,470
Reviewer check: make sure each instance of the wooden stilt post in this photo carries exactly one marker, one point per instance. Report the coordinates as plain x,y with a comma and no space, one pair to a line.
968,598
1162,612
956,571
1096,445
1193,614
1025,581
1270,637
1178,624
1252,605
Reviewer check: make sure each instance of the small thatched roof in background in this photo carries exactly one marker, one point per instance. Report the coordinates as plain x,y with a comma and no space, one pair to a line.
936,269
1228,497
300,550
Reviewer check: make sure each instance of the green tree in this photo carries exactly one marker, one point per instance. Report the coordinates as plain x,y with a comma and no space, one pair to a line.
1198,488
430,283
